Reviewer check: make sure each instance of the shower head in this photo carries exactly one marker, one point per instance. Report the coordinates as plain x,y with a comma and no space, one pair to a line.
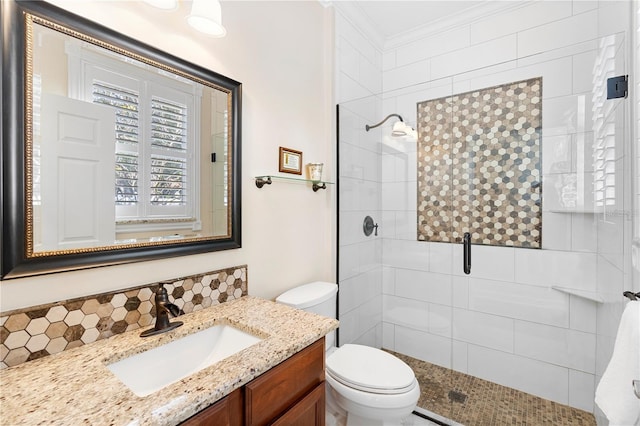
367,127
400,128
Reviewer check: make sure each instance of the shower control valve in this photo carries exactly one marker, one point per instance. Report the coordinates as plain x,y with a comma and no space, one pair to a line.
368,226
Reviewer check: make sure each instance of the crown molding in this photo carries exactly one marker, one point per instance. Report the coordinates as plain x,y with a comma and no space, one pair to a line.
353,13
483,9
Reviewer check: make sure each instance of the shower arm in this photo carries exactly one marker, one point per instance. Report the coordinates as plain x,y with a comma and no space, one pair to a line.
367,127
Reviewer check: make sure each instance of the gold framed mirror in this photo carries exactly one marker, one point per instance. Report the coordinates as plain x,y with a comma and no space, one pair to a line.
113,151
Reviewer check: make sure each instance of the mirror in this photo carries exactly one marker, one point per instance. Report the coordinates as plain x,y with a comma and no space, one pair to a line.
113,151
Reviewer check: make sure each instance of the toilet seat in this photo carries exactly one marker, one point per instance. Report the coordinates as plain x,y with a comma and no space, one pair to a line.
370,370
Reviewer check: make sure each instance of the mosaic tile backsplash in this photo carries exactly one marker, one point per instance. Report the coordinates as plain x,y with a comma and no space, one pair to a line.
35,332
479,166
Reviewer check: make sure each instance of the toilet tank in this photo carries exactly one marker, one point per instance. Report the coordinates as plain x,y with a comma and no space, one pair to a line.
318,297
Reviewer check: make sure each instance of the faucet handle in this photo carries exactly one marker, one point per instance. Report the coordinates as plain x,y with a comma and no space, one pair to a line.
174,309
163,309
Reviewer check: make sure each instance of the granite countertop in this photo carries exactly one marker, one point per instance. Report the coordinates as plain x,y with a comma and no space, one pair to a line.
75,386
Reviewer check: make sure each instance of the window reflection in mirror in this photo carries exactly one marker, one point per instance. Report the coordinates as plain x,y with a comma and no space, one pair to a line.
123,152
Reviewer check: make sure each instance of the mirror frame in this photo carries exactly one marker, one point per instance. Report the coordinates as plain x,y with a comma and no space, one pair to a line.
15,261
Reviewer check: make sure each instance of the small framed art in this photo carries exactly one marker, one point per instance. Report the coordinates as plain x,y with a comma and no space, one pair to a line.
290,161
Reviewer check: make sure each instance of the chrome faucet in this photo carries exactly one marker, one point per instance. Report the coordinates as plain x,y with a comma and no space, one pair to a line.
163,310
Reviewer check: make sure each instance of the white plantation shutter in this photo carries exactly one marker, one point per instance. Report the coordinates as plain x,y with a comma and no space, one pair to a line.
157,142
604,120
169,182
168,125
126,179
152,151
126,103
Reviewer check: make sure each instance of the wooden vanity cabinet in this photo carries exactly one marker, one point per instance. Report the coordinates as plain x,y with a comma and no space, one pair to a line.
291,393
309,411
284,386
226,412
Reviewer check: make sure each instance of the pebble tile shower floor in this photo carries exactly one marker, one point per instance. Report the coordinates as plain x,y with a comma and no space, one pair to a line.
476,402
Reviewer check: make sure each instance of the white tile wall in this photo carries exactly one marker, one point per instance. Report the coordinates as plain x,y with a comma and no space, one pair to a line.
556,345
398,194
493,263
549,267
408,313
556,231
460,356
531,303
525,374
581,390
359,78
503,322
407,75
405,254
358,289
405,226
490,331
349,88
440,44
420,285
582,314
558,33
477,56
441,257
388,336
461,292
372,337
513,21
424,346
359,195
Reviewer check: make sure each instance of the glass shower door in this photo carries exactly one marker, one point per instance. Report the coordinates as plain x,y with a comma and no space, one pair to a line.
539,177
532,160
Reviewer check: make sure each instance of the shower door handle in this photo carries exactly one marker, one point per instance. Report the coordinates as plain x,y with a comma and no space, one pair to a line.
466,253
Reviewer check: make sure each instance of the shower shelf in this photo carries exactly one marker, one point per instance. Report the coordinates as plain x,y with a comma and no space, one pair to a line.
267,180
589,295
579,211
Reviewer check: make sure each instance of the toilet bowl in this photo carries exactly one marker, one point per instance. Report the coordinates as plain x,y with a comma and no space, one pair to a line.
370,386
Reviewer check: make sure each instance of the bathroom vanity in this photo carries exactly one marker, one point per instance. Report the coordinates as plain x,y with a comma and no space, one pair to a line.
291,393
278,380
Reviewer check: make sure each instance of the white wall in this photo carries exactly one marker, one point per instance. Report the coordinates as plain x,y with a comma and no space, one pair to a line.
282,53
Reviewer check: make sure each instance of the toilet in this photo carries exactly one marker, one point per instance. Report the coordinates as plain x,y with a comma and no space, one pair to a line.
370,386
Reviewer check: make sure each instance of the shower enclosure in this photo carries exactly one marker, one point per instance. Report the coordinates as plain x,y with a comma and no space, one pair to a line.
532,160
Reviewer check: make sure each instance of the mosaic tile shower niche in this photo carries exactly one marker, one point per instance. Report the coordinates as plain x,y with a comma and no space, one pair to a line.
479,166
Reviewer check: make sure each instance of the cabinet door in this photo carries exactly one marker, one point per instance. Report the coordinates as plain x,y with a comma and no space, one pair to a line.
226,412
268,396
310,411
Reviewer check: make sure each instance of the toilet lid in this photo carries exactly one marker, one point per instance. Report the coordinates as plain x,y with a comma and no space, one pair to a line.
370,370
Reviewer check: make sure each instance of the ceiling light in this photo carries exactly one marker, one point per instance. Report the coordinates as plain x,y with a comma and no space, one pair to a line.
206,16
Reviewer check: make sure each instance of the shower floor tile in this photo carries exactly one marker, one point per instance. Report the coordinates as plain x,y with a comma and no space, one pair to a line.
476,402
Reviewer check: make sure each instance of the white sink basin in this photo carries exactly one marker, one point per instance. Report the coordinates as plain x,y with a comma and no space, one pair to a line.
156,368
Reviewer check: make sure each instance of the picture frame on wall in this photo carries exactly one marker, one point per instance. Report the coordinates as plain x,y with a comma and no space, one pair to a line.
290,161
